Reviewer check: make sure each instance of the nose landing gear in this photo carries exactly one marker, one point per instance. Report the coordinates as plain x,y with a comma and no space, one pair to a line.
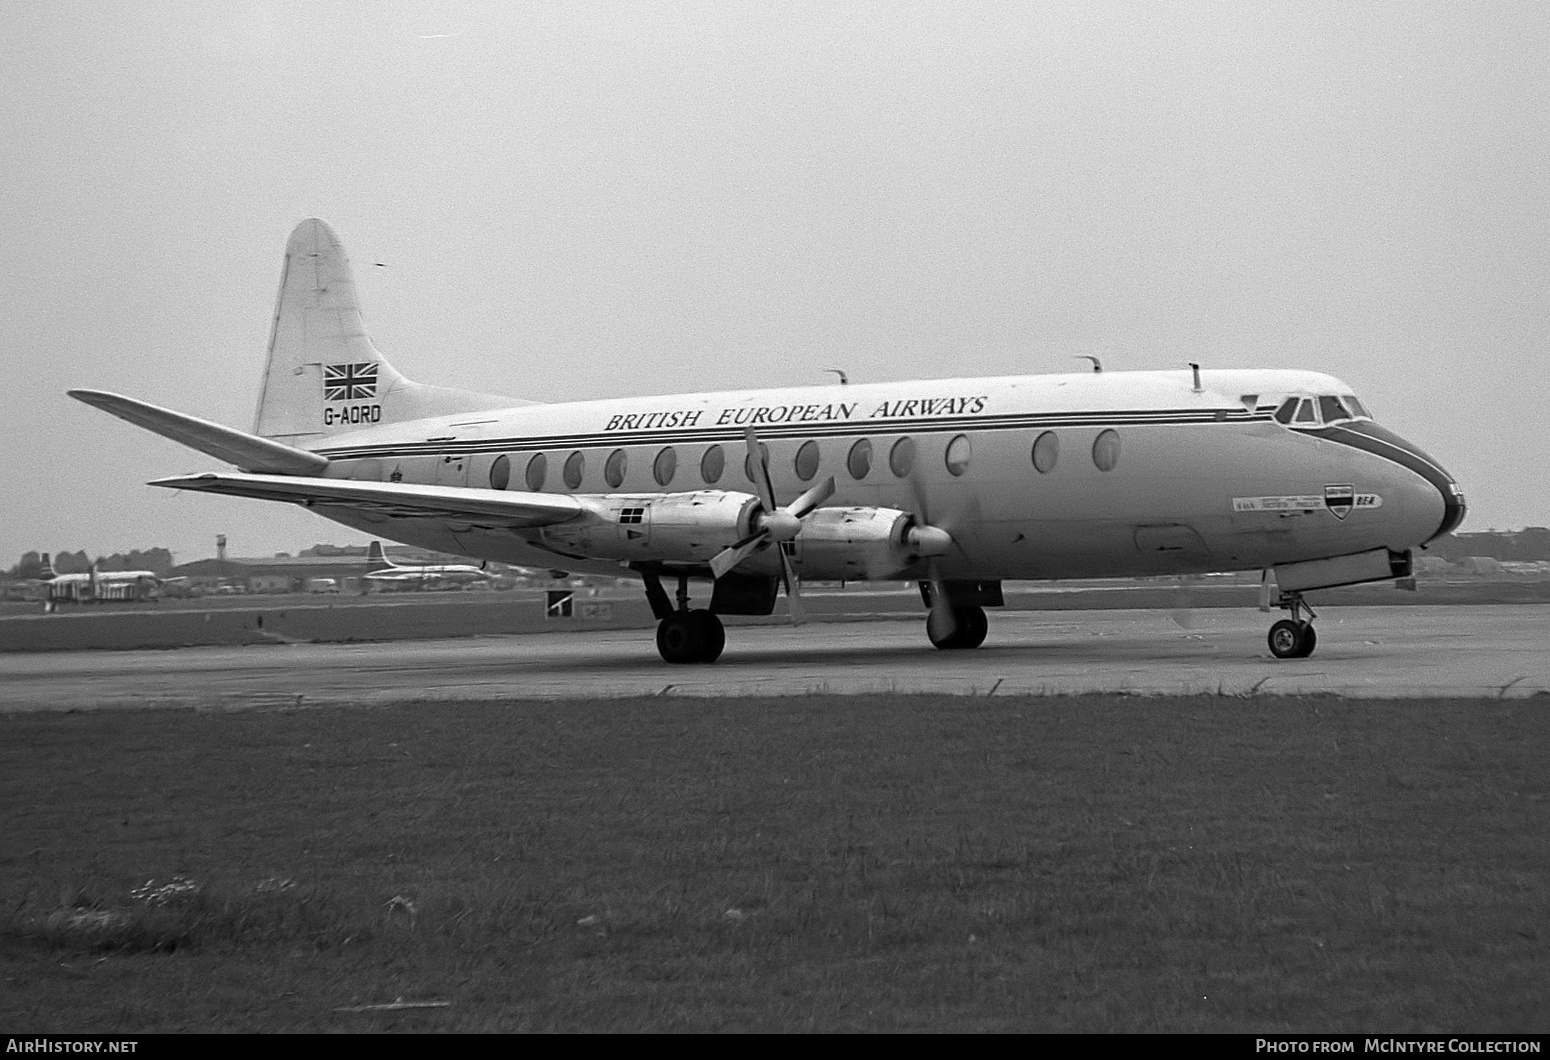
1295,637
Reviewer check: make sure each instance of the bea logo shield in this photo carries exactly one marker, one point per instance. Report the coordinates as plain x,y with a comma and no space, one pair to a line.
1339,500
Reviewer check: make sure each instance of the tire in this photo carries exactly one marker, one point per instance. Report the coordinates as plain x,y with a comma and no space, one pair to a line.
680,639
972,626
1310,640
1292,640
712,635
969,628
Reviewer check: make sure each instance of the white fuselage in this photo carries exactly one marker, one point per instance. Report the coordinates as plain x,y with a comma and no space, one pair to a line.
1139,473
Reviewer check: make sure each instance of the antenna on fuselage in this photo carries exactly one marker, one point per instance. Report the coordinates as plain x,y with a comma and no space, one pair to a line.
1097,364
1196,368
844,379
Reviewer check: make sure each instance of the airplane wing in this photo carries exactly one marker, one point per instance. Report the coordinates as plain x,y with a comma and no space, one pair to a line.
479,507
247,451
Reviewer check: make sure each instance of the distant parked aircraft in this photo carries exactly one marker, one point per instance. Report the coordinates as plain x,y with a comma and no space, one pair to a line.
95,585
425,576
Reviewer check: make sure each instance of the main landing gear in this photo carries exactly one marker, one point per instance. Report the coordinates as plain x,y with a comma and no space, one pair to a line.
684,635
1295,637
691,637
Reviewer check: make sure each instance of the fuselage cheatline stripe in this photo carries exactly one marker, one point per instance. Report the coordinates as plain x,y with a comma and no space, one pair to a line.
472,446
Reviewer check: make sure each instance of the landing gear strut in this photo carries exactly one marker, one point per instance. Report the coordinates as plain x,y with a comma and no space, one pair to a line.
969,628
1295,637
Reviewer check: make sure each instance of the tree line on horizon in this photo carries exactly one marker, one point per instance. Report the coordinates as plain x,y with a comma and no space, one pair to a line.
1528,545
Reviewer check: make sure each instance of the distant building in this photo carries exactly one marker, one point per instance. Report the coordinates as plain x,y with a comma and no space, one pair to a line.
272,574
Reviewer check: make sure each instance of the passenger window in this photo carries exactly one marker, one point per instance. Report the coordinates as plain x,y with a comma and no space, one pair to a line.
1305,412
807,461
959,453
1106,451
901,459
712,464
500,472
575,467
665,466
613,470
859,462
1332,410
1046,450
537,471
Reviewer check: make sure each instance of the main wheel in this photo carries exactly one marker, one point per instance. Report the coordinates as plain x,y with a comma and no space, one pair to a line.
969,628
972,626
680,638
1292,640
712,634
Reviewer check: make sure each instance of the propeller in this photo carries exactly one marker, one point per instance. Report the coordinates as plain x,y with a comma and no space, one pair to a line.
776,525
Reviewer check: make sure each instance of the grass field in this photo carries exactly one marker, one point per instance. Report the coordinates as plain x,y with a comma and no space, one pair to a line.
867,863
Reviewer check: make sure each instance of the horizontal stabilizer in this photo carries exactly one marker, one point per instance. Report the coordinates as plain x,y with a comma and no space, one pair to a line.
403,500
247,451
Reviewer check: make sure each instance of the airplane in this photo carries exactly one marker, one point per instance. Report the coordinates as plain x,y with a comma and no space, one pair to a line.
94,585
956,484
431,575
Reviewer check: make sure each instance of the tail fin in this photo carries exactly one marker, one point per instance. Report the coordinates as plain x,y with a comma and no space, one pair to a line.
376,559
324,376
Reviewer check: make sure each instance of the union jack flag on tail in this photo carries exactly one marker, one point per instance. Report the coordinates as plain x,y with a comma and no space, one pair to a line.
349,382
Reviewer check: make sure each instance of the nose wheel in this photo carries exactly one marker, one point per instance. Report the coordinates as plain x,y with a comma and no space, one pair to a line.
1295,637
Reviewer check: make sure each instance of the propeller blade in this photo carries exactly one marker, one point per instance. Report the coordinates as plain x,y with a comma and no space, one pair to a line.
759,463
732,555
941,623
812,498
789,579
918,496
1183,610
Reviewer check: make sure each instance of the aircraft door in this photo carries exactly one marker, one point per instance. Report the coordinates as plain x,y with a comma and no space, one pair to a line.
452,470
452,467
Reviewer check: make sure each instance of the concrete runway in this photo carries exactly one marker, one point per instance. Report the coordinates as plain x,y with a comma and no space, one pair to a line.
1493,651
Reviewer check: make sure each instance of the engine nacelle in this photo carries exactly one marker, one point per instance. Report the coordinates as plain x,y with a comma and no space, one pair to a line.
669,527
842,544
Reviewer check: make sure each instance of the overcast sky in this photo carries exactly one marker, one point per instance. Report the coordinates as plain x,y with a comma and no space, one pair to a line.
578,200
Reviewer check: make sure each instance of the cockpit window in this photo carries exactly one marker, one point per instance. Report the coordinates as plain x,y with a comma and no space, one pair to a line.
1326,408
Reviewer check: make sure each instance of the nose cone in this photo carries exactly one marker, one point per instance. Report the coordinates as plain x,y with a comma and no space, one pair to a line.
1380,441
1453,510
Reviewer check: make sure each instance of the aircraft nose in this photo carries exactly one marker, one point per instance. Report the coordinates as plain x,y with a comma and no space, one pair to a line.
1380,441
1453,509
